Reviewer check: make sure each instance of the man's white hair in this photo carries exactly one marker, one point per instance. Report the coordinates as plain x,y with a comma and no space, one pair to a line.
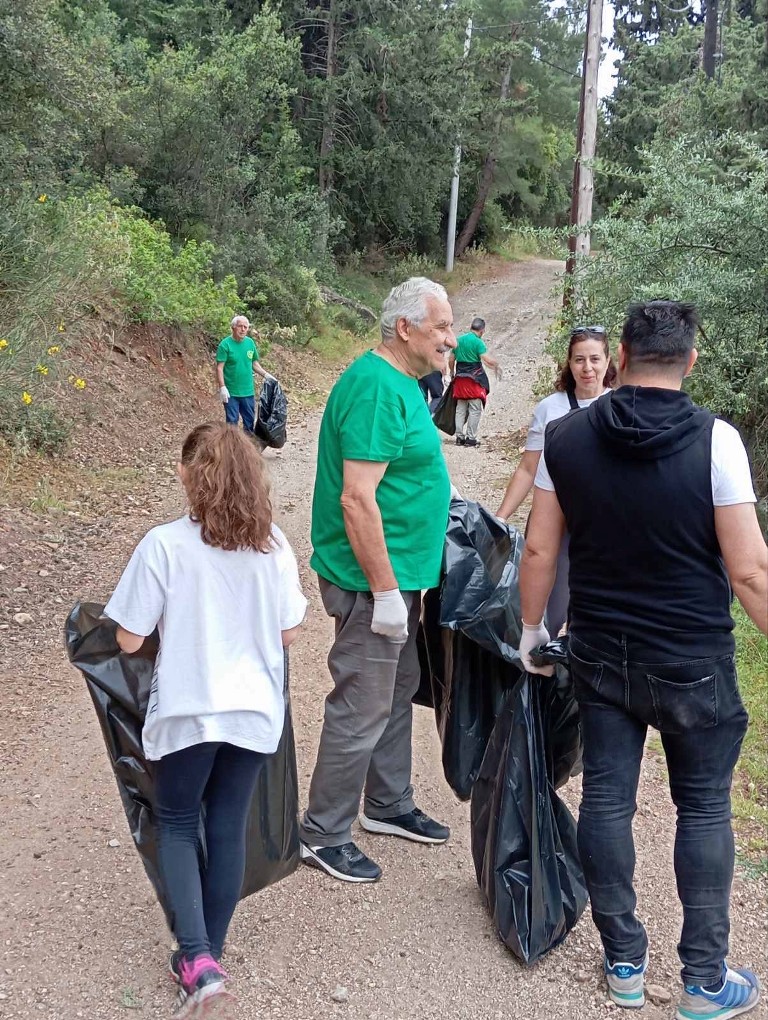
408,301
237,318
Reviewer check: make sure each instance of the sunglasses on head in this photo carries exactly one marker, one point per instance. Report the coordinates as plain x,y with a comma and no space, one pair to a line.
599,330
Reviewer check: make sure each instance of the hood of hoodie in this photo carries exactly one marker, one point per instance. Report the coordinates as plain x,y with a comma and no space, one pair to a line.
648,422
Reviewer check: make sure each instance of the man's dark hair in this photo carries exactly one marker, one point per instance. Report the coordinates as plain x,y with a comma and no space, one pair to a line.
477,324
660,333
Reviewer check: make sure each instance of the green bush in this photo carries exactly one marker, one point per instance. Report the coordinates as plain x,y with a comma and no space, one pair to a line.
159,284
35,427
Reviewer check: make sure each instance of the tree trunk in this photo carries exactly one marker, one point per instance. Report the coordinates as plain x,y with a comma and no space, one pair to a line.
710,38
486,178
325,174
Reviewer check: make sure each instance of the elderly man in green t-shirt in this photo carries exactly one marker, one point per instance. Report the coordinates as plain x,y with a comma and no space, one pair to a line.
379,515
237,359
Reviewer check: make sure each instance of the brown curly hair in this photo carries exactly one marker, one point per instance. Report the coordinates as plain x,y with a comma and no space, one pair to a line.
227,488
565,381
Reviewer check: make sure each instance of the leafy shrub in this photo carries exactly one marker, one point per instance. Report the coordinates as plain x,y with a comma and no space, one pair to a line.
171,287
37,427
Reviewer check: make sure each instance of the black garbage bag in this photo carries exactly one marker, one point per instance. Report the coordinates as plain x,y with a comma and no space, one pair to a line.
272,420
562,742
119,685
479,593
470,630
428,633
523,836
444,415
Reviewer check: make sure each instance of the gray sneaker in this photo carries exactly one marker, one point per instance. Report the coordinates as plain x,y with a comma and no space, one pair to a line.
740,992
626,983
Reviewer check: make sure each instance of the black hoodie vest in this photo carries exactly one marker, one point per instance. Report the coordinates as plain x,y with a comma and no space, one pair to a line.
632,473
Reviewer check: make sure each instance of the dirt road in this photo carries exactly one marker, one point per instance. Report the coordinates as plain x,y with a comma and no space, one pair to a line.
81,933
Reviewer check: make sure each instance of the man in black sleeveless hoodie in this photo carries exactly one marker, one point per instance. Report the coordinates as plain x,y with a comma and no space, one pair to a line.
658,500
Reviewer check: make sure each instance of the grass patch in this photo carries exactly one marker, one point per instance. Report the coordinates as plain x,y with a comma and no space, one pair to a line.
751,794
338,346
117,479
45,499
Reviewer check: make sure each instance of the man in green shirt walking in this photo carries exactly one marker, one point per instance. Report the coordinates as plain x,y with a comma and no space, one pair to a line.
237,359
379,515
470,383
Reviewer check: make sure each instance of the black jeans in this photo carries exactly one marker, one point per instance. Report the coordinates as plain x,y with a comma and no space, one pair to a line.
202,894
623,688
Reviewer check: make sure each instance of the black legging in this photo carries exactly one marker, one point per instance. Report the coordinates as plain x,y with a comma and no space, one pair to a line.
202,898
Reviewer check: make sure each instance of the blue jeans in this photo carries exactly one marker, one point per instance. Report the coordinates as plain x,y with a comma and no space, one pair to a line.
202,890
236,407
622,688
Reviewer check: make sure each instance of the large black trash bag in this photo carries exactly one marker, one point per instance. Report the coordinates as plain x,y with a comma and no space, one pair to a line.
119,685
444,415
479,593
272,419
523,835
469,635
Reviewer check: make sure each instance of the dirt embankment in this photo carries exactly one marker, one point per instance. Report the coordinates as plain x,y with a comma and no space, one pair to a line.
81,933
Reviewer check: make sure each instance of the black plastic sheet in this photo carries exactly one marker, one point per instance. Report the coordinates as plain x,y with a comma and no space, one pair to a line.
523,836
272,420
469,635
444,415
119,686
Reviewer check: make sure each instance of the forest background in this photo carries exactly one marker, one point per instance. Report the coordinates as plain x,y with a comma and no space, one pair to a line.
177,161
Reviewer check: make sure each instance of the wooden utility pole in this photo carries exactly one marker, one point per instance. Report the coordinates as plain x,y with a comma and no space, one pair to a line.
583,177
325,172
450,246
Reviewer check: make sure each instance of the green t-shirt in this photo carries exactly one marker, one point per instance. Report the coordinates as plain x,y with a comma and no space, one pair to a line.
238,358
469,347
377,413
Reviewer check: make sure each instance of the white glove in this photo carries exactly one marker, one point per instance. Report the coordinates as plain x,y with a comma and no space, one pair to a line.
533,636
271,377
224,395
498,373
390,615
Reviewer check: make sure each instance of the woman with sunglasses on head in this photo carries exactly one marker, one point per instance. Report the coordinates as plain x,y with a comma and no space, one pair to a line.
587,373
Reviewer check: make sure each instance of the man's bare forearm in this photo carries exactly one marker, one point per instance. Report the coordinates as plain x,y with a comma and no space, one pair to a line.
219,374
753,594
365,531
537,577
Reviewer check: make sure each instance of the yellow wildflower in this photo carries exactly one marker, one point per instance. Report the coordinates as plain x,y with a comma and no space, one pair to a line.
79,384
26,397
61,327
54,349
42,369
41,198
3,344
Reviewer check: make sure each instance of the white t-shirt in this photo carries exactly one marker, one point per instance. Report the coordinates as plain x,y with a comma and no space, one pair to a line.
731,477
555,406
220,613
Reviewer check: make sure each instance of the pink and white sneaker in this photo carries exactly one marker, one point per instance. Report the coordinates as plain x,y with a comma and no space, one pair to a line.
202,988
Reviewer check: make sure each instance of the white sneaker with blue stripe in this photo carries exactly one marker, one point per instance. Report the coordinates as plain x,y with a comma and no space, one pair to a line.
740,993
626,983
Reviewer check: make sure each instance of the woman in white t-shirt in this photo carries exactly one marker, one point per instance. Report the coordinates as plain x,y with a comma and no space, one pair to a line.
587,373
222,587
